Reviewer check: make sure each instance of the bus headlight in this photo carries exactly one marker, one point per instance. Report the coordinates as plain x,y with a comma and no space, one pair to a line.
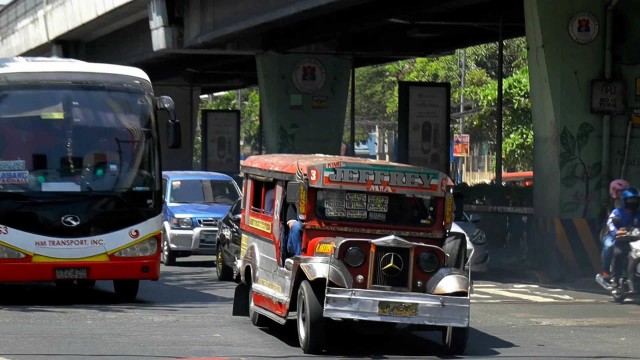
428,262
184,223
144,248
9,253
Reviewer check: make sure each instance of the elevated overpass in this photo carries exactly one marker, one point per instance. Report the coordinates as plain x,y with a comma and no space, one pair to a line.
578,52
212,44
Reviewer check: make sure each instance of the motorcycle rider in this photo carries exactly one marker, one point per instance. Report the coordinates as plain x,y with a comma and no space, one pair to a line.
627,215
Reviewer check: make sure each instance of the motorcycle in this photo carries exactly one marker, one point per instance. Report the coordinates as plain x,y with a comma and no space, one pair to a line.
628,283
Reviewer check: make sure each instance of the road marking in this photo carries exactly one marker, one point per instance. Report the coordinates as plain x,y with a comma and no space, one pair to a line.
533,298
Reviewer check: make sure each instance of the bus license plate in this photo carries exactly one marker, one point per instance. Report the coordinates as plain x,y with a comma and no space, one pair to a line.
71,273
390,308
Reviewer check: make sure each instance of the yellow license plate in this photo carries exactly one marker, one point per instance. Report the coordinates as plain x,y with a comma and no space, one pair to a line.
390,308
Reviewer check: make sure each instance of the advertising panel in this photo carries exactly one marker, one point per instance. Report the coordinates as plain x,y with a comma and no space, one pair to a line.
221,141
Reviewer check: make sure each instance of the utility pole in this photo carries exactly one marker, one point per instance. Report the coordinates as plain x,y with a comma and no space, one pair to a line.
463,73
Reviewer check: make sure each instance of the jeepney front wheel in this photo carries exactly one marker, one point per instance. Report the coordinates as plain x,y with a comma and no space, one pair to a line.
455,339
310,322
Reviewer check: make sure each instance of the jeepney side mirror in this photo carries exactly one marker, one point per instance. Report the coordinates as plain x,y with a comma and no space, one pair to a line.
293,192
174,133
458,201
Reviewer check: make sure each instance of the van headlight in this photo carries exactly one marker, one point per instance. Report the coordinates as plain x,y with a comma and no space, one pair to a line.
181,223
9,253
144,248
479,238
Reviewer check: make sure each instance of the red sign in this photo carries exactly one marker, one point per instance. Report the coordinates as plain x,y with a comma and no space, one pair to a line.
460,144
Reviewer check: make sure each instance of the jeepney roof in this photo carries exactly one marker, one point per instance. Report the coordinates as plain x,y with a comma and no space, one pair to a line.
287,165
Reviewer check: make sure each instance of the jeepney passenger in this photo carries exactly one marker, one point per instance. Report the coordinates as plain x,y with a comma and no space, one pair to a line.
294,240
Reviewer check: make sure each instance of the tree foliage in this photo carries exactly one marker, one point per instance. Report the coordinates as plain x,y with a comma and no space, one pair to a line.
376,99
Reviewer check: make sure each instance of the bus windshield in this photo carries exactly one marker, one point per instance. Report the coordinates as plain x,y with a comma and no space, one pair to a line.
75,138
357,206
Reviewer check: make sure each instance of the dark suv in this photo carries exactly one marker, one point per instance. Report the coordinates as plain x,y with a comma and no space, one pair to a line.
228,243
194,203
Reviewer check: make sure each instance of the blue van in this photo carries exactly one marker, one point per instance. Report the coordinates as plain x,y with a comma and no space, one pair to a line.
194,202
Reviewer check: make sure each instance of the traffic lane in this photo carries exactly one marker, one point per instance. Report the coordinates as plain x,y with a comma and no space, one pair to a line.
589,327
187,314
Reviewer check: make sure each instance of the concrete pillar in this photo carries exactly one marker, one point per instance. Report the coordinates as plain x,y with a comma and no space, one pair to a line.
304,100
578,151
187,101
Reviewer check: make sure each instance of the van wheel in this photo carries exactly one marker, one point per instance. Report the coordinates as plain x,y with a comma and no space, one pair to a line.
311,323
167,256
225,272
455,339
126,290
257,319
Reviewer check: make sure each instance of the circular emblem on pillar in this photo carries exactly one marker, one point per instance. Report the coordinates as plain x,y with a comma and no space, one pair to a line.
583,27
309,75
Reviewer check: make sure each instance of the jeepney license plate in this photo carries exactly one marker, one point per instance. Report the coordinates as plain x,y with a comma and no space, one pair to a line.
390,308
71,273
209,238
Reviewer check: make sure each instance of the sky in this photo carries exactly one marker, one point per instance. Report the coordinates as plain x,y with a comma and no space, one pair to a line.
4,2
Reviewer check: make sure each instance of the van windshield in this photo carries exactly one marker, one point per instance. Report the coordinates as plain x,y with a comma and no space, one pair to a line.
356,206
204,191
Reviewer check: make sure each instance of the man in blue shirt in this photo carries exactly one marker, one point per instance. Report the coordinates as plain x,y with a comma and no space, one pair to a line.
621,217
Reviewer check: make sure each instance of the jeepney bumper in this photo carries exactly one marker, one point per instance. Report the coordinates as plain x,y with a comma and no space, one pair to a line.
397,307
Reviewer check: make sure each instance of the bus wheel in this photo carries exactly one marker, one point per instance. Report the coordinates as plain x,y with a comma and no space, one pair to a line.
257,319
224,271
126,290
86,283
64,284
454,339
167,256
311,323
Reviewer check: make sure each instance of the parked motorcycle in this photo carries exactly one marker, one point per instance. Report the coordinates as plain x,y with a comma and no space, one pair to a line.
628,284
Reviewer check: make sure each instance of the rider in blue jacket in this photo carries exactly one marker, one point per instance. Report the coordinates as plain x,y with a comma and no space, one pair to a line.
627,215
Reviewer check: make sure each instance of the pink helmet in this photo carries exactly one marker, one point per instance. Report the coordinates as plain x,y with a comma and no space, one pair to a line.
617,185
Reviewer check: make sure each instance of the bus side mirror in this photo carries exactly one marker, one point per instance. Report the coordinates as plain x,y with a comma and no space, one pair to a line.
174,133
293,192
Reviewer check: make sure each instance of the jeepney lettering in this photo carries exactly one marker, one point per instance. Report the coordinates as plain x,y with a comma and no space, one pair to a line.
260,224
378,203
334,212
357,214
378,216
356,201
382,177
335,204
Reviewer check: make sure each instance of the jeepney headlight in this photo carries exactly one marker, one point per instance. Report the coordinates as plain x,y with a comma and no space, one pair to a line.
354,256
144,248
9,253
177,222
428,262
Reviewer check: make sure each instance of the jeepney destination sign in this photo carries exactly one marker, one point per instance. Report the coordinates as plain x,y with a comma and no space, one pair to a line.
382,177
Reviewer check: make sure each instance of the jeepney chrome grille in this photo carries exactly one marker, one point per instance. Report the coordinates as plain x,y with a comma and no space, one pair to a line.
208,222
391,267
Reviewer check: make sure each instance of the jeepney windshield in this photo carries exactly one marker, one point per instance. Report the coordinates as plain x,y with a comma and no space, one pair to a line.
358,206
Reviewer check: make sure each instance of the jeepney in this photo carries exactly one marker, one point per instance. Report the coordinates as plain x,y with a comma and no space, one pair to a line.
376,247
